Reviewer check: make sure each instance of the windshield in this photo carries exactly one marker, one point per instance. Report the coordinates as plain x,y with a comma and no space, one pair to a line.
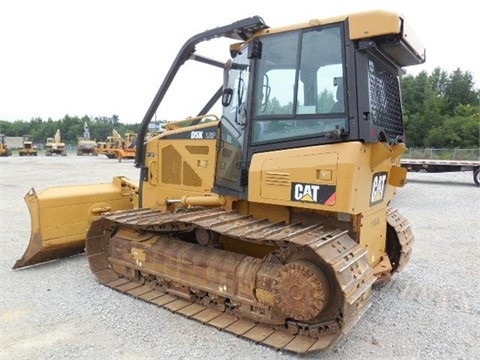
300,85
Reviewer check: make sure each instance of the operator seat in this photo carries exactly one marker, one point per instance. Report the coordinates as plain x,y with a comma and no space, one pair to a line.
339,106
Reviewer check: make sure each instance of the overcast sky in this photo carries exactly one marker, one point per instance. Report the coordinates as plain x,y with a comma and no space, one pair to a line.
105,57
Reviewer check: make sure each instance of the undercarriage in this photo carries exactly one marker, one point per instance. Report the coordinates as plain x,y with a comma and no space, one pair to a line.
291,287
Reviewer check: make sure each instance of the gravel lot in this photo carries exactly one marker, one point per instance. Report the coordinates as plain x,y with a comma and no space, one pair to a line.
59,311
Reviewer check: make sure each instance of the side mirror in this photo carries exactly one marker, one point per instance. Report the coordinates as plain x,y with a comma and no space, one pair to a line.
227,96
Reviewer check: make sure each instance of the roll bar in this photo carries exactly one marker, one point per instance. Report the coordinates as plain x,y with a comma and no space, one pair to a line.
239,30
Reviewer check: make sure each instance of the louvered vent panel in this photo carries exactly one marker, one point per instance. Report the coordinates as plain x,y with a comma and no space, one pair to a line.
197,150
276,178
171,166
190,178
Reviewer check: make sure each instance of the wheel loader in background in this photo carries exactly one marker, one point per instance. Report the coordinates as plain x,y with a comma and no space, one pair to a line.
4,149
55,146
272,222
28,148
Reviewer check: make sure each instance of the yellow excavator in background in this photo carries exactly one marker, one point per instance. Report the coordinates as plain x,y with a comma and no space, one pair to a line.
271,220
86,146
54,145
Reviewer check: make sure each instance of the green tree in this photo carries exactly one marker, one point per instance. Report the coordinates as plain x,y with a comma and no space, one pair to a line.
459,90
421,108
455,132
441,110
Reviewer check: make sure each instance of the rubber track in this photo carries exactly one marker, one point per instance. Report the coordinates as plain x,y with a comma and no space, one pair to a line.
345,257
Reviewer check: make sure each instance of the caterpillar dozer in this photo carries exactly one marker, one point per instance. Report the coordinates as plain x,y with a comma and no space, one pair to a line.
104,147
123,148
271,220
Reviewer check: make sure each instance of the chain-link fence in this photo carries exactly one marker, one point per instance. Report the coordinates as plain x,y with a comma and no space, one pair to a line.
443,154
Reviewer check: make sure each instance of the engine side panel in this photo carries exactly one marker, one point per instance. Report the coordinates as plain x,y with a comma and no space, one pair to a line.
343,178
180,162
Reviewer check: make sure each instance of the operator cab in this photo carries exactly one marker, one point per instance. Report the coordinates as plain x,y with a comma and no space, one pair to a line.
291,89
316,83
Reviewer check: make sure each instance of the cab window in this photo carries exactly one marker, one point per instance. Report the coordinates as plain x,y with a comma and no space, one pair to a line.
299,85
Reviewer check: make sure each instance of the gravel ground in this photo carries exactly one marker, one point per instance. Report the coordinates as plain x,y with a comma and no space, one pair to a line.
58,310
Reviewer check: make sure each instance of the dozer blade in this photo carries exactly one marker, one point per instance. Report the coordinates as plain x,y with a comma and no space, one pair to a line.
61,216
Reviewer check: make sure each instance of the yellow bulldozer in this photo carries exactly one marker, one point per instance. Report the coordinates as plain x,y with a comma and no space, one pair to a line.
270,220
123,148
104,147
